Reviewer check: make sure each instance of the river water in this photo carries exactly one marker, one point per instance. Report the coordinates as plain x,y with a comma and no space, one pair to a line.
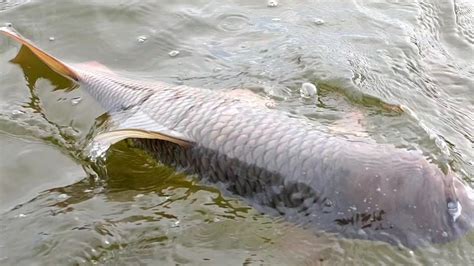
366,57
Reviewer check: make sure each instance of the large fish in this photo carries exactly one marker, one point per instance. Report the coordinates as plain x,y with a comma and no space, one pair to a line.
280,165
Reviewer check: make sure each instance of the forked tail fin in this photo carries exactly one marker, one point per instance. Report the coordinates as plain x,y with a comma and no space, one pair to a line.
55,64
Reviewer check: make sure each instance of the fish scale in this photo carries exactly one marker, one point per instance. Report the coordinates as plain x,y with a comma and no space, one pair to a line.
278,164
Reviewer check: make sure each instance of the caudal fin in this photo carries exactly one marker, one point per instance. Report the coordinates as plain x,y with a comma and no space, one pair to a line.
55,64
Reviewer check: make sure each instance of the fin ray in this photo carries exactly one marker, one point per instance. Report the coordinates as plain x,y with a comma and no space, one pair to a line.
55,64
114,136
137,124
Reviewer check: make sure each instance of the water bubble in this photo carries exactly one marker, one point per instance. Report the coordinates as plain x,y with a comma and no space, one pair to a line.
21,215
76,100
173,53
63,196
276,19
142,38
17,112
308,90
378,189
51,39
272,3
233,22
175,224
318,21
94,251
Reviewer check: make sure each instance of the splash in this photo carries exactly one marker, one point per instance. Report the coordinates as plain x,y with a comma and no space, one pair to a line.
97,151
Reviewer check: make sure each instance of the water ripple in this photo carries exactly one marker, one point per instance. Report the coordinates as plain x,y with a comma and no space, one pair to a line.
9,4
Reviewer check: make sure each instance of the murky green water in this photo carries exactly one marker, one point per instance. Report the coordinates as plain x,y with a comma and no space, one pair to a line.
58,208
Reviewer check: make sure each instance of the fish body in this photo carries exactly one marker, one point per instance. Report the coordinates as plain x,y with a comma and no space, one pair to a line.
280,165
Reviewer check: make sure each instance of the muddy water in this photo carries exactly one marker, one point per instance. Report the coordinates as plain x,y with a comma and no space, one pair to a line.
364,56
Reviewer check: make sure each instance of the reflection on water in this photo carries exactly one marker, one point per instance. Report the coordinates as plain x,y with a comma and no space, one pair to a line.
365,57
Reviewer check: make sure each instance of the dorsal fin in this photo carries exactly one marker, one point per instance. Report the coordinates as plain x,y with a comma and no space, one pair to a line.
95,66
55,64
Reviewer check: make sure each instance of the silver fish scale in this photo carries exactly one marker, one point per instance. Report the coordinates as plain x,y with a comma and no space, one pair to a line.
282,165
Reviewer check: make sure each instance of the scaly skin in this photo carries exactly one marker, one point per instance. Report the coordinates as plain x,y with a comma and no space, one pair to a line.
282,165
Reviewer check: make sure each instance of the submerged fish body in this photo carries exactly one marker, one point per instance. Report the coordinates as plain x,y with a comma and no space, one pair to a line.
279,164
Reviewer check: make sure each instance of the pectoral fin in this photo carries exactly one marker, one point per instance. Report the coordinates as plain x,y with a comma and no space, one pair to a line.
138,124
111,137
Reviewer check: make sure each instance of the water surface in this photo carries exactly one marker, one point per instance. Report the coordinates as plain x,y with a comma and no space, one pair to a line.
365,57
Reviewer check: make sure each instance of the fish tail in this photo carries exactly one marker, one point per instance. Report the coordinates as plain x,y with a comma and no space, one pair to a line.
53,63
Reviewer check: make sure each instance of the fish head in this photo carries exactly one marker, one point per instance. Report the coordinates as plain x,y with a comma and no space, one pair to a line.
405,200
433,207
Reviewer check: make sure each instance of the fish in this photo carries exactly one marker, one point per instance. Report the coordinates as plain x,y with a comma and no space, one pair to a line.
280,165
